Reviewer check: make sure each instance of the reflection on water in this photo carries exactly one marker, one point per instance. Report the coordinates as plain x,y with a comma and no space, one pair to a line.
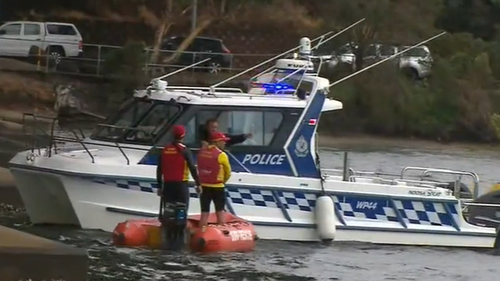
275,260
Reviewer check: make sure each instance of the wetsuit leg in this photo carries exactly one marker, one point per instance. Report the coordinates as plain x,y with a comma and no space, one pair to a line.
181,211
172,194
219,198
205,199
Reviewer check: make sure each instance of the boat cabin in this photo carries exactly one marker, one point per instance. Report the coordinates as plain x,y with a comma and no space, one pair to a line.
272,119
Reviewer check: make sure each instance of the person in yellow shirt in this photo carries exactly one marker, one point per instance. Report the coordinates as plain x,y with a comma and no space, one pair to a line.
214,171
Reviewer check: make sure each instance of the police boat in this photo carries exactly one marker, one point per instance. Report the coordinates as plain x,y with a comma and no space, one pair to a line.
99,181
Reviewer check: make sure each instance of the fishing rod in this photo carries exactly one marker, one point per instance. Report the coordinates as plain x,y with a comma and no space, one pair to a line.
279,55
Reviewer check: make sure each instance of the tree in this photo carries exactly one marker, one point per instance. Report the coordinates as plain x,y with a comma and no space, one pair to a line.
210,11
161,17
478,17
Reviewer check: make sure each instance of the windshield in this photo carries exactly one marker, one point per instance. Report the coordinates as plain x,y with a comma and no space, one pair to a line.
139,121
417,52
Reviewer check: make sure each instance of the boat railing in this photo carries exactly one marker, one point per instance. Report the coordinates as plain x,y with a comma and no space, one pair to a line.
205,89
337,172
218,94
426,172
77,137
37,128
376,177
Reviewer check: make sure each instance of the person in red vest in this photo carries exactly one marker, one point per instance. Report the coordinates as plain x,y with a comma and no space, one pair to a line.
214,171
172,175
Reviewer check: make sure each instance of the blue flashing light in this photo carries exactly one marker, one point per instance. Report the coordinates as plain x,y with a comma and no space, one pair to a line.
272,88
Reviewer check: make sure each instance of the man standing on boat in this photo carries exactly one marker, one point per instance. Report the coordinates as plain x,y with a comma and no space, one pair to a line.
212,125
172,175
214,170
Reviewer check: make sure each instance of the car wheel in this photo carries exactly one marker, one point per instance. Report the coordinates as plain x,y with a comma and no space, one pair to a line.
55,56
214,67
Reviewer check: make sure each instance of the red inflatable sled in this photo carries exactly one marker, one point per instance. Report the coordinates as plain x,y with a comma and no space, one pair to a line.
236,235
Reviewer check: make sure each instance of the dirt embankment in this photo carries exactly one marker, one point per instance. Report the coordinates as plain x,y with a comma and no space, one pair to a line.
6,178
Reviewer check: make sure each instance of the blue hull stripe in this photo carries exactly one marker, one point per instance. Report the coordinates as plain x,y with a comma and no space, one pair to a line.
398,213
339,214
281,206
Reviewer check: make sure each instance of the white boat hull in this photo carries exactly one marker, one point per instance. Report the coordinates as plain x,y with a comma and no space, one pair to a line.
92,201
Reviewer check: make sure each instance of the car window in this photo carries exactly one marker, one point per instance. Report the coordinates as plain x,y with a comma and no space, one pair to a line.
213,45
60,29
172,43
370,51
31,29
195,46
416,52
12,29
386,50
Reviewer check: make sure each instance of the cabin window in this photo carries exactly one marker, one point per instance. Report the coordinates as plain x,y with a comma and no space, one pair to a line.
151,124
128,115
262,124
138,121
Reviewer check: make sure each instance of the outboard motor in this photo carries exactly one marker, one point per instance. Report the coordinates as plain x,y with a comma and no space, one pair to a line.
174,222
488,216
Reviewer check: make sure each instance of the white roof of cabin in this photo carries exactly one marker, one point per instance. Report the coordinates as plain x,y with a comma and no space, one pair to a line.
238,99
234,97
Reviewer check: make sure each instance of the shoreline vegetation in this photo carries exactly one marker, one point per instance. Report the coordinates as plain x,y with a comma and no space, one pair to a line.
459,102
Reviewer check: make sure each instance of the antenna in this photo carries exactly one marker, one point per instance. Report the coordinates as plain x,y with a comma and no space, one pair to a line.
321,42
279,55
182,69
386,59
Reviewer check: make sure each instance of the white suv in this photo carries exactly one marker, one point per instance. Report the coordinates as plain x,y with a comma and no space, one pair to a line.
25,38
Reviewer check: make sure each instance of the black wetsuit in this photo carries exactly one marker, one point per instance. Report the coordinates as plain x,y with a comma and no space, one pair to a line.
175,199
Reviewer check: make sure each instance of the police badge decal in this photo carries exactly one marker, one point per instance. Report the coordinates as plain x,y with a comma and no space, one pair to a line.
301,147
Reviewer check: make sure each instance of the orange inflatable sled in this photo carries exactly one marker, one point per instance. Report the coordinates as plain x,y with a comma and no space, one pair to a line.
236,235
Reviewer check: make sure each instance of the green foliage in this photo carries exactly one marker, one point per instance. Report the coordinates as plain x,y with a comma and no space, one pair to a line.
456,102
126,67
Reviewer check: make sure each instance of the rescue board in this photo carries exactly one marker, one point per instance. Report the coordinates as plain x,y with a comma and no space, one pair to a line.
236,235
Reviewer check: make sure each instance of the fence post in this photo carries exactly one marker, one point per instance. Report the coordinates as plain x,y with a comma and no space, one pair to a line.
38,61
47,60
146,63
98,59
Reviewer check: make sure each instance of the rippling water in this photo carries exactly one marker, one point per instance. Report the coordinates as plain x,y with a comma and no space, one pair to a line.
274,260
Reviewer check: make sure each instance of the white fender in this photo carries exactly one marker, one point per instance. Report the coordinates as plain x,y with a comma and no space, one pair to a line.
325,218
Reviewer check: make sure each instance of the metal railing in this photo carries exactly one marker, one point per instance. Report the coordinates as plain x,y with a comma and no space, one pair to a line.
425,172
349,174
91,59
78,137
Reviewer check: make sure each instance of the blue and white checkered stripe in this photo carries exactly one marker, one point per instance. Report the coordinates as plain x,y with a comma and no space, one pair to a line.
252,197
412,212
426,212
298,200
143,186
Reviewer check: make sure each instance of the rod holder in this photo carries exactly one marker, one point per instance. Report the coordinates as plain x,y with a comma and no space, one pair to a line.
345,170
